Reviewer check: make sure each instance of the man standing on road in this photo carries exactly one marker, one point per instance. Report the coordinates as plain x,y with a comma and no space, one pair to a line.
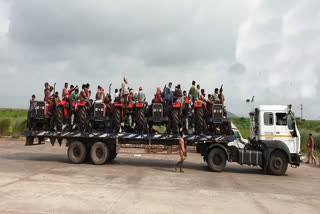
311,149
182,152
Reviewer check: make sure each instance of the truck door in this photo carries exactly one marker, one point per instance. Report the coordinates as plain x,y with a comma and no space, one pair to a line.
267,127
282,131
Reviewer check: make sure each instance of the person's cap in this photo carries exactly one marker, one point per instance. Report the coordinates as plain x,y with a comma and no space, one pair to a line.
140,88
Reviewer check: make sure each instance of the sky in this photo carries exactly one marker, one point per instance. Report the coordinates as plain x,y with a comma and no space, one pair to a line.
263,48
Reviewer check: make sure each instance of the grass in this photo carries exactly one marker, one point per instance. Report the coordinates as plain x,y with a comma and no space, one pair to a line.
13,122
305,127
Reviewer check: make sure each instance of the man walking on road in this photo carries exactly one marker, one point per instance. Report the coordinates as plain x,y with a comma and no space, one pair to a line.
311,149
182,152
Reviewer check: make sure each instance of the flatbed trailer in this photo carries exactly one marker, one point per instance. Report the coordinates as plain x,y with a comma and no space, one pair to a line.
104,147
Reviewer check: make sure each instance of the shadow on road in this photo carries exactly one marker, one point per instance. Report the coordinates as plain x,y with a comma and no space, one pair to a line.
157,164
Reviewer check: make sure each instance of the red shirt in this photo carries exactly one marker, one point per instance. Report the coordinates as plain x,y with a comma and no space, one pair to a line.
311,143
157,98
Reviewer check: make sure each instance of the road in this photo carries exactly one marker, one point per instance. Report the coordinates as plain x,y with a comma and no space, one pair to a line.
40,179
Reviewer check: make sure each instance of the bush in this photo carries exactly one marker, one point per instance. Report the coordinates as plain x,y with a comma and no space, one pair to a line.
5,126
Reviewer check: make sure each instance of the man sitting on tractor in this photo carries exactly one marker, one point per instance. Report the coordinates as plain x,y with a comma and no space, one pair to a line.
216,96
66,93
178,94
157,96
141,95
47,92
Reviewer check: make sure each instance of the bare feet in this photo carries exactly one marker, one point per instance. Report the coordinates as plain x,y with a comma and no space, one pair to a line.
181,171
176,168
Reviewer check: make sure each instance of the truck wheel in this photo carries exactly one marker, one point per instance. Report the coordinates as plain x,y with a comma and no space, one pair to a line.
140,120
216,160
116,120
77,152
59,118
112,156
200,123
99,153
278,163
175,121
83,120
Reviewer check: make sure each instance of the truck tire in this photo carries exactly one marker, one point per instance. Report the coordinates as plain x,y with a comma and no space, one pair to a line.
216,160
77,152
83,120
116,120
200,123
113,155
175,121
99,153
140,120
278,163
59,118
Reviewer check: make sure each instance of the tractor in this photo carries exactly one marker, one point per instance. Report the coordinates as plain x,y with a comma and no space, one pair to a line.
156,117
133,119
93,117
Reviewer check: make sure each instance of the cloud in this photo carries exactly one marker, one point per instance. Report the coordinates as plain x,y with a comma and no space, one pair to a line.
256,48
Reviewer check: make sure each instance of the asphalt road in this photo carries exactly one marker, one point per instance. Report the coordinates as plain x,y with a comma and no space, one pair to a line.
40,179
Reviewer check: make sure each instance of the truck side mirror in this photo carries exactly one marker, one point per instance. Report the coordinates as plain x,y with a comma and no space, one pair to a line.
294,133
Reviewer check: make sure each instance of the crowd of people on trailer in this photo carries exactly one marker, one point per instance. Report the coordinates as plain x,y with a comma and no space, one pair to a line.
127,95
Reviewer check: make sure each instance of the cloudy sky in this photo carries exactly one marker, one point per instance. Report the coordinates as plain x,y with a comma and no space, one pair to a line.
268,48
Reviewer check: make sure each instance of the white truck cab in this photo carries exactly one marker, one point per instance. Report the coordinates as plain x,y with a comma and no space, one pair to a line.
275,123
274,131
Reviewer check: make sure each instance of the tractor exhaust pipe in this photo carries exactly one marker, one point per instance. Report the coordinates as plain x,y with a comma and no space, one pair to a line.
110,89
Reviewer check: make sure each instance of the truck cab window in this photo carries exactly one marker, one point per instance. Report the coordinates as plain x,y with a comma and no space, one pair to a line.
268,118
281,119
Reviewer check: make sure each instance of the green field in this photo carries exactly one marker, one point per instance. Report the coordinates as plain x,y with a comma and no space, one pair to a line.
305,127
13,122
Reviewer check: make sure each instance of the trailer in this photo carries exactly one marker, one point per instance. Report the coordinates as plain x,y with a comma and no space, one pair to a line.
274,143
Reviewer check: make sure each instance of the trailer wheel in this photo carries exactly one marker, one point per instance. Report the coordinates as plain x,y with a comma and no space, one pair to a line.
140,120
83,120
116,120
200,123
113,155
99,153
175,121
278,163
59,118
77,152
216,160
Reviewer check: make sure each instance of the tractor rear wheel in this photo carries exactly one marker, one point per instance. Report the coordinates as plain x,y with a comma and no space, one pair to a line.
59,118
83,120
116,120
140,120
175,121
200,123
